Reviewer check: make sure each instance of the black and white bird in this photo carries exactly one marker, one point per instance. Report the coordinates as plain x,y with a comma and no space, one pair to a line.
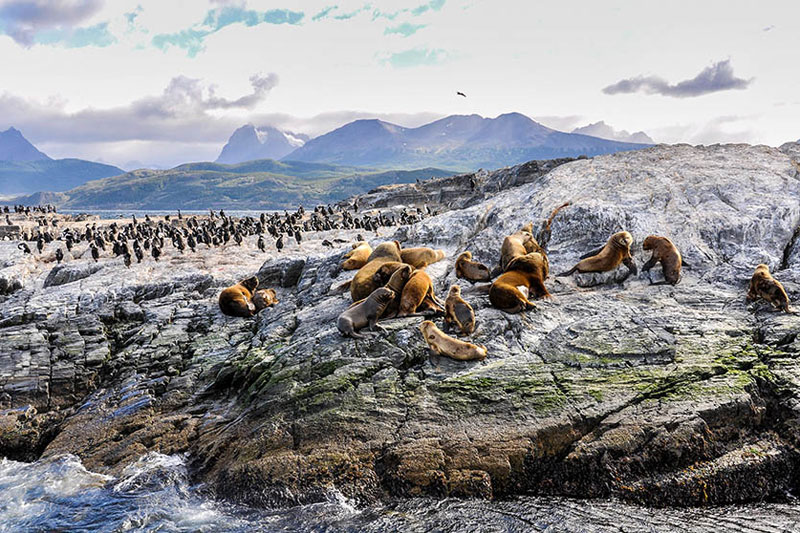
459,93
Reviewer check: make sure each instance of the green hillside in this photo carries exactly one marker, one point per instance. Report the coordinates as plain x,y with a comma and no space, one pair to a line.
262,184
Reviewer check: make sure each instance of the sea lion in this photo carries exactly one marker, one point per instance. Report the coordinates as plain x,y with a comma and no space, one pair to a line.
237,300
444,344
264,298
544,235
421,257
365,313
763,285
396,282
529,272
470,270
518,244
617,250
357,257
364,281
418,288
458,312
665,252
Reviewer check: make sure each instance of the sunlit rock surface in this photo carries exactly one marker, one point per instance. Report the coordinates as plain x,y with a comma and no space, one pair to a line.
664,395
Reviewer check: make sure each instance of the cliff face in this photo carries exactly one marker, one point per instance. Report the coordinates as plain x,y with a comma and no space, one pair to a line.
658,394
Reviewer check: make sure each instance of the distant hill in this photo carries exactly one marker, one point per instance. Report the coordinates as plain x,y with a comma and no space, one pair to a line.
15,147
24,169
458,142
249,143
604,131
53,175
263,184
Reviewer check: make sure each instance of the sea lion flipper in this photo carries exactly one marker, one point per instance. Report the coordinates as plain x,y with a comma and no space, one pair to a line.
650,263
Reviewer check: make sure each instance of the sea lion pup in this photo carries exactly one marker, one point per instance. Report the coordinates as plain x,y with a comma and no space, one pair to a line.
364,281
458,312
357,257
418,289
665,252
470,270
617,250
444,344
264,298
763,285
528,272
365,313
238,299
421,257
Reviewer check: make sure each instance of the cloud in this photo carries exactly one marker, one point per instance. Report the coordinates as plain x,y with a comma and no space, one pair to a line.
416,57
718,77
191,39
22,20
405,29
97,35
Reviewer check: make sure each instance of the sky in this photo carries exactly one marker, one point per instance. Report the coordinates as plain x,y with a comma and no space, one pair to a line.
162,82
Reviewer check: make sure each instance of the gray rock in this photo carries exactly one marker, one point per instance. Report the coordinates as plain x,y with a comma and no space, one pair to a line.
679,395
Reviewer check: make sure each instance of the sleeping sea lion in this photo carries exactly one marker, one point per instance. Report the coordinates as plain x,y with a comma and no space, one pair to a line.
238,299
470,270
421,257
446,345
357,257
763,285
364,314
364,281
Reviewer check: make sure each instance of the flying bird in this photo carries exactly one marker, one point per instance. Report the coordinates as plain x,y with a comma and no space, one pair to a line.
459,93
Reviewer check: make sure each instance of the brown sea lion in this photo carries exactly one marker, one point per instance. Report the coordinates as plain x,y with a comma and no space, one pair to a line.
446,345
396,282
518,244
470,270
364,281
617,250
665,252
763,285
529,272
264,298
364,314
421,257
544,235
418,289
238,299
357,257
458,312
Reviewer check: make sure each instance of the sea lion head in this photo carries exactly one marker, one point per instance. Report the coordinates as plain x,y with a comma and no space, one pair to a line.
528,228
762,268
250,283
455,290
464,255
650,242
623,240
400,277
425,327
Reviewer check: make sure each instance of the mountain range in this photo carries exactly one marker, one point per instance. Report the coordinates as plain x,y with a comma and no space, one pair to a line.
249,143
24,169
457,142
604,131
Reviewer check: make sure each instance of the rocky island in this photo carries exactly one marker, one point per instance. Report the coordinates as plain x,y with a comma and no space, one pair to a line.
663,395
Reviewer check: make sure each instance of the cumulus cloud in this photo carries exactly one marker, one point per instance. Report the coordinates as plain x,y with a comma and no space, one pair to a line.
718,77
23,19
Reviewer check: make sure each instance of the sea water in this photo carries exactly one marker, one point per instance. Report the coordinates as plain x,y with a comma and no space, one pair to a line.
155,494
